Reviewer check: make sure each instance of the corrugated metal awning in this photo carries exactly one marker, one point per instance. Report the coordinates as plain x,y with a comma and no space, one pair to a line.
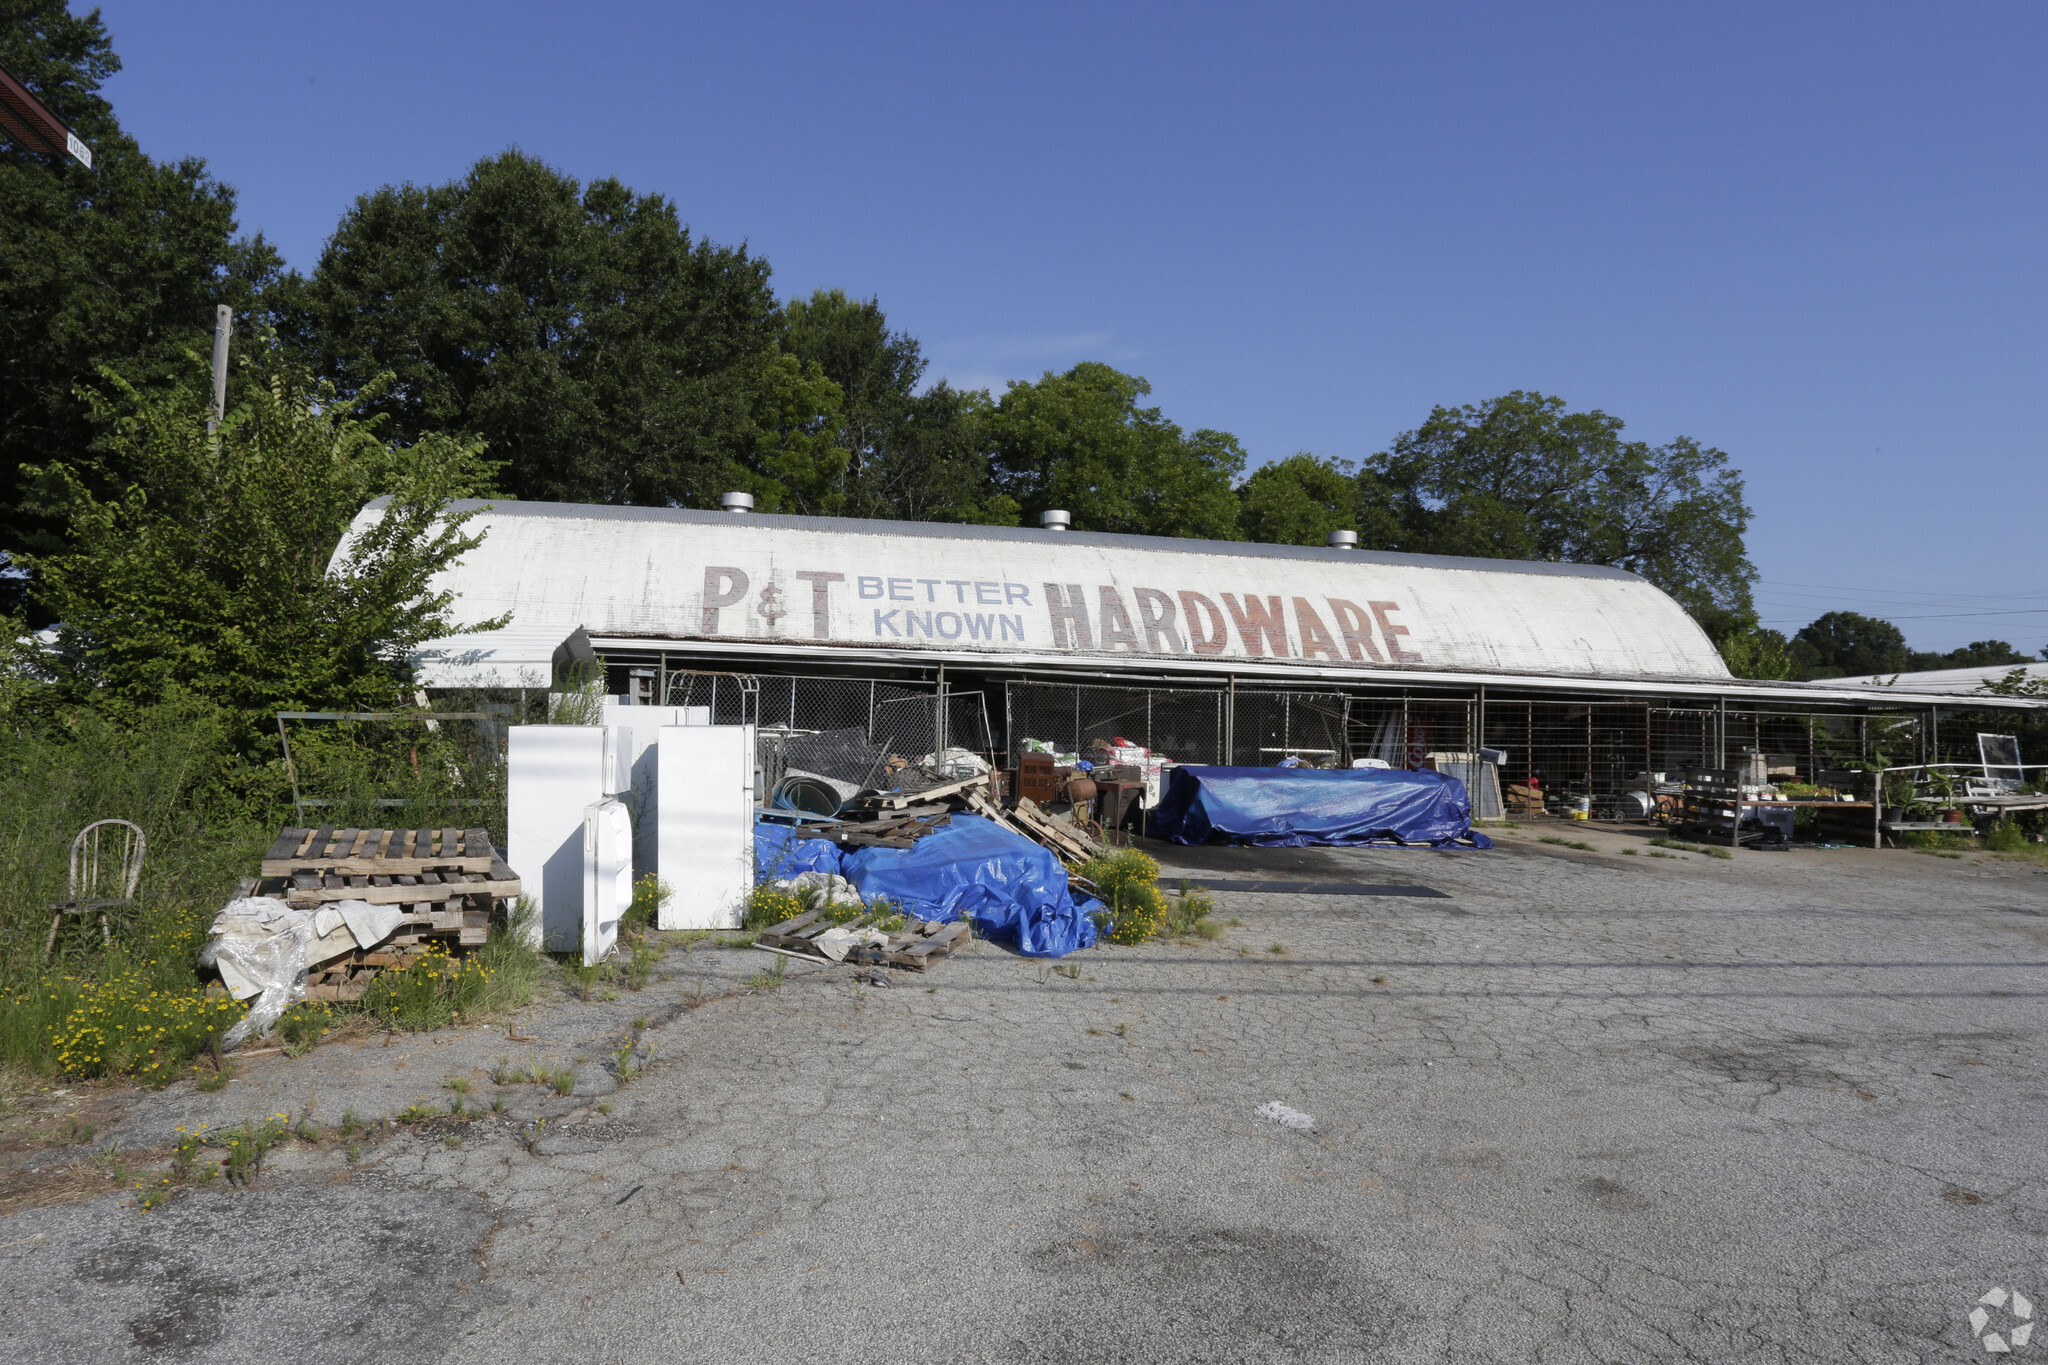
742,657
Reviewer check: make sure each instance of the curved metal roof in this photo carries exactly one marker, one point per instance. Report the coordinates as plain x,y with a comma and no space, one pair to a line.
923,588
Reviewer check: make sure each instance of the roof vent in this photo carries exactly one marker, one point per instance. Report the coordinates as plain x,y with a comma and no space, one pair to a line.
737,502
1055,520
1343,540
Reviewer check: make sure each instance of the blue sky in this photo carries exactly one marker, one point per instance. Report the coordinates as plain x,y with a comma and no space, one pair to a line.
1809,234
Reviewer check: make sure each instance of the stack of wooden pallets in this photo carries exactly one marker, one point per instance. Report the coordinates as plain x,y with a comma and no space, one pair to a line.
448,881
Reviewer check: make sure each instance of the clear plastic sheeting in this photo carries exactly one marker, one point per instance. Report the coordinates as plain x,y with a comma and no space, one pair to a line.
1302,807
262,948
1014,890
259,945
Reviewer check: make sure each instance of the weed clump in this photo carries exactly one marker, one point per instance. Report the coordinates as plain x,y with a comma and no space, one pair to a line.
766,906
1129,882
303,1025
650,893
1188,915
128,1026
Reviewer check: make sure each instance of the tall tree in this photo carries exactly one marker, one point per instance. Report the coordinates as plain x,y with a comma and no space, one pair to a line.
1976,654
1848,644
118,265
1299,500
603,352
208,572
877,372
934,462
1520,477
1080,441
909,455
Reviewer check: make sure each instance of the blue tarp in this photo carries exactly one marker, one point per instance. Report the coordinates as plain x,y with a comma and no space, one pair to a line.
1013,890
781,852
1299,807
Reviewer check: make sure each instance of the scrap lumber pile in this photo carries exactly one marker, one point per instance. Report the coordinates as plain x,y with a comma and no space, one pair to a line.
916,944
447,883
900,819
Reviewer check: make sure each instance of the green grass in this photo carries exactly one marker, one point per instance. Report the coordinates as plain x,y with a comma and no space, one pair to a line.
1567,843
1662,842
208,814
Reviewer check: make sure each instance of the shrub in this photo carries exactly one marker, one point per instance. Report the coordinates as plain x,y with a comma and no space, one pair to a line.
1129,881
2005,837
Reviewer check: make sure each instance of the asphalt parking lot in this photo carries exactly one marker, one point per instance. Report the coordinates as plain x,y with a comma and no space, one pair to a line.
1587,1106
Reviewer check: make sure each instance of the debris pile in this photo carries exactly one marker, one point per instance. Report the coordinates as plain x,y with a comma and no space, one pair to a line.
898,819
884,939
377,898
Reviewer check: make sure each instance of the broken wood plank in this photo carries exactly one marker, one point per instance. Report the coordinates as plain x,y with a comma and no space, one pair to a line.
790,926
900,800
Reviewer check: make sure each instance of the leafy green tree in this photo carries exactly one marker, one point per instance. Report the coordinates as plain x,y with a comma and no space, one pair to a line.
877,372
1976,654
209,574
1080,441
1520,477
1756,651
935,463
1299,500
604,353
909,455
119,265
1848,644
799,460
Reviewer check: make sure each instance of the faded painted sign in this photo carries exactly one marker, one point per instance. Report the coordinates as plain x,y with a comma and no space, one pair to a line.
708,577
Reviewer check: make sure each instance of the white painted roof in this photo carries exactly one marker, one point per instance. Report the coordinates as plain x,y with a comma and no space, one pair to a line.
1947,680
814,589
921,587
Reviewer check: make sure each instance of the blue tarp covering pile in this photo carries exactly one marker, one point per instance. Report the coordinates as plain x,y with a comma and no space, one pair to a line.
1299,807
1013,890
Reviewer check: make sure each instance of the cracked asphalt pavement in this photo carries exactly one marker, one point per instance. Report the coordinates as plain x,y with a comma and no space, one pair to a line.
1590,1107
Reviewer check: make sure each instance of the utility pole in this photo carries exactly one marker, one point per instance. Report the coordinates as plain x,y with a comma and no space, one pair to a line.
223,319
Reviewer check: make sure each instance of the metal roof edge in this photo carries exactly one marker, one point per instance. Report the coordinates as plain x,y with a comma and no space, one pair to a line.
945,530
1195,668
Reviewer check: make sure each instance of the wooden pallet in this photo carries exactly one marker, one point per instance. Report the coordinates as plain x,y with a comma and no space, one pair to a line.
313,886
388,852
920,944
900,831
900,800
1070,842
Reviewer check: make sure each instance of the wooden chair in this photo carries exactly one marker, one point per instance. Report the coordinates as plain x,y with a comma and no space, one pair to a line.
106,863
